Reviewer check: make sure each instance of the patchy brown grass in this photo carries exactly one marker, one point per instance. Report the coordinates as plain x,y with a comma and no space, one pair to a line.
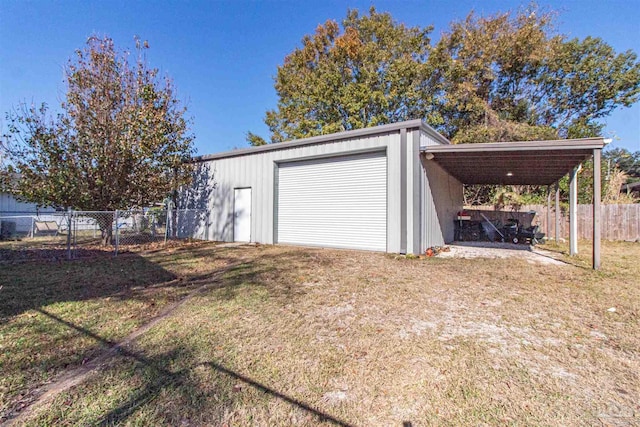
309,336
102,299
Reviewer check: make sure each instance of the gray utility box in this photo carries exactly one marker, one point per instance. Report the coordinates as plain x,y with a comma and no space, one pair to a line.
7,229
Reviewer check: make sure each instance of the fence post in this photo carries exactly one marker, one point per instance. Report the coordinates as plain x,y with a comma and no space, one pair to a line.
117,237
69,233
167,222
174,220
75,230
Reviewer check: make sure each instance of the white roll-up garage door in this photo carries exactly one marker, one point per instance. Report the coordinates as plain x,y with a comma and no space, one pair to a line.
337,202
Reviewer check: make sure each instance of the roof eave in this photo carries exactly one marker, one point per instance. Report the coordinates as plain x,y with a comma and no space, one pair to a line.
560,144
377,130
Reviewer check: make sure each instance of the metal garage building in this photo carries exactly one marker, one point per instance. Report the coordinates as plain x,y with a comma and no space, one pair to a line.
393,188
362,189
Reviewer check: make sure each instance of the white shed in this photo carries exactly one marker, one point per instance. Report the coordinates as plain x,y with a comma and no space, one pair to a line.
19,215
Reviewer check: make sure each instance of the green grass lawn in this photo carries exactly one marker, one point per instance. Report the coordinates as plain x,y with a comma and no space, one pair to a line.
296,336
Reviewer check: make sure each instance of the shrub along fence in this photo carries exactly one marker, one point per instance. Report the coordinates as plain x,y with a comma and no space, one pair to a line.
110,230
618,222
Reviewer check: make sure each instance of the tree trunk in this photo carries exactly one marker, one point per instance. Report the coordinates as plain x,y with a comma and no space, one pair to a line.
105,222
107,236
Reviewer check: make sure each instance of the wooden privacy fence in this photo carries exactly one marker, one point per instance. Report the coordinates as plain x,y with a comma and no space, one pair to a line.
618,222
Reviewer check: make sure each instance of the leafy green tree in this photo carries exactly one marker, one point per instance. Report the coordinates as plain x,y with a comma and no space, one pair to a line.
583,81
502,77
483,69
507,77
626,161
120,140
255,140
370,71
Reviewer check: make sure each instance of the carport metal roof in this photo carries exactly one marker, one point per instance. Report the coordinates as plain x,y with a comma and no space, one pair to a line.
519,163
528,163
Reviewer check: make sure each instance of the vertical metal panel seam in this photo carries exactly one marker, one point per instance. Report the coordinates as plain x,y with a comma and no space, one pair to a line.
275,202
418,192
387,237
403,191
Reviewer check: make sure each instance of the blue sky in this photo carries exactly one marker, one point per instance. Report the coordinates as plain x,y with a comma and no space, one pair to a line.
222,55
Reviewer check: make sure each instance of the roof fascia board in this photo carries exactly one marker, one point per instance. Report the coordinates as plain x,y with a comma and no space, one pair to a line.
333,137
561,144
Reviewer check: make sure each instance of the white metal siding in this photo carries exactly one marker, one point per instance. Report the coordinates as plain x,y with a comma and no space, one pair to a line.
413,189
427,140
432,196
442,197
8,204
337,202
215,180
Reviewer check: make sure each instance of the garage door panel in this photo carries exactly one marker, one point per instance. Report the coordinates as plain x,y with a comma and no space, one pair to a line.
338,202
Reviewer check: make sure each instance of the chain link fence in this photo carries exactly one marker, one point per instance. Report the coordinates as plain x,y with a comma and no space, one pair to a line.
111,231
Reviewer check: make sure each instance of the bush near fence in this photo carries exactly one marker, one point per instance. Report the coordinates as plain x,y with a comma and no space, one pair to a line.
618,222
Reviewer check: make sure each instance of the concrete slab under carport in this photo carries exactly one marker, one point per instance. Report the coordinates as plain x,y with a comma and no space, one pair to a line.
527,163
499,250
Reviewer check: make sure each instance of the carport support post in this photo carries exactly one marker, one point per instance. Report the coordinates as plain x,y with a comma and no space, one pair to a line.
557,212
573,212
548,230
596,208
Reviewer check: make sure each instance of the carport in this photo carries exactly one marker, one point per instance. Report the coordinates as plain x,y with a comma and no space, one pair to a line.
528,163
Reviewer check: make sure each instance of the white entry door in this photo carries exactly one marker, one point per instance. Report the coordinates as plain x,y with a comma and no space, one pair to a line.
242,215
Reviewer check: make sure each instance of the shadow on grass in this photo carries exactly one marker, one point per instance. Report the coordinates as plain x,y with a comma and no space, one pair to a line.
180,383
276,273
107,283
50,252
582,261
28,286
